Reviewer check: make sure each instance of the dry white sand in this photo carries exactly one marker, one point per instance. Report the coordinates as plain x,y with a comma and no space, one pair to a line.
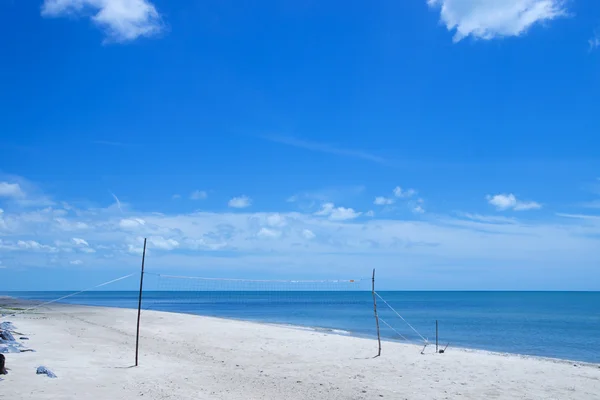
190,357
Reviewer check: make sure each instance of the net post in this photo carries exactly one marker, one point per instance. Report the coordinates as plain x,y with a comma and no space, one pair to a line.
436,335
137,334
375,311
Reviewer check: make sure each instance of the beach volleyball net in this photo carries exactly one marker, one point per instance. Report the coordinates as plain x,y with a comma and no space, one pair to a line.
347,306
239,290
286,301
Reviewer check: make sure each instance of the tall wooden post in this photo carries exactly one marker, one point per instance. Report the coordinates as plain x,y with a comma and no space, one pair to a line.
375,310
137,335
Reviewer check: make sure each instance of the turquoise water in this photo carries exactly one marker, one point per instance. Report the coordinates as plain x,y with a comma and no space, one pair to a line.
552,324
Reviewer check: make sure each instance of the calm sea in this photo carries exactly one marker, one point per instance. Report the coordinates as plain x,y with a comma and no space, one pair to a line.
552,324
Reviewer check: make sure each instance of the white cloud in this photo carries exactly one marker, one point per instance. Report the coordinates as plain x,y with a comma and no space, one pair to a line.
131,223
11,190
326,209
35,246
76,262
400,193
459,251
161,243
240,202
502,201
176,196
198,195
418,209
267,233
510,201
133,249
527,205
23,193
276,221
308,234
70,225
489,19
382,201
81,245
370,213
121,20
80,242
337,213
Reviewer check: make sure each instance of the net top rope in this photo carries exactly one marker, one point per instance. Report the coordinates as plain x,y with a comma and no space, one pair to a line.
261,280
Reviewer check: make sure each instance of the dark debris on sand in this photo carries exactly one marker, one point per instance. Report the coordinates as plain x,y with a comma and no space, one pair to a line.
8,343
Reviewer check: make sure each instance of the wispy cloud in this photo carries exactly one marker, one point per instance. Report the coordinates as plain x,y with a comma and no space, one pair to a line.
401,193
121,20
383,201
327,195
510,202
23,193
327,148
579,216
268,233
495,18
493,219
198,195
117,201
240,202
418,209
12,190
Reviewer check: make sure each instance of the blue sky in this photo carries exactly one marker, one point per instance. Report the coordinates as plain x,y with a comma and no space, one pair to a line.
451,144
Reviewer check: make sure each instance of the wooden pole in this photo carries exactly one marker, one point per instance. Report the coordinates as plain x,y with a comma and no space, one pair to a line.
436,335
137,335
375,310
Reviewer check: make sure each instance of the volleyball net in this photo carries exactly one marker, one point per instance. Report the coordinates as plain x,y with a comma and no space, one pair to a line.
349,306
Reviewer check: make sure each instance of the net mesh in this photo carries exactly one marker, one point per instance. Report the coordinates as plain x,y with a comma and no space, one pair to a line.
182,289
344,306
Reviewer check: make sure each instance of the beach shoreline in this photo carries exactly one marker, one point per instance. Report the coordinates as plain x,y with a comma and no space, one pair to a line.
17,302
185,356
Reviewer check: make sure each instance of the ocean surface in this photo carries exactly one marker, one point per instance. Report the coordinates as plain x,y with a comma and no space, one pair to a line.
562,325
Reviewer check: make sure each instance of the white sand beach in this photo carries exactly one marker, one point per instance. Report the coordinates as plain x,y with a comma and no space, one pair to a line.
91,350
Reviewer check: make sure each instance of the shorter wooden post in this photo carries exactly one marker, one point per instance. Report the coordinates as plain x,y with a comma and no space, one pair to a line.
436,335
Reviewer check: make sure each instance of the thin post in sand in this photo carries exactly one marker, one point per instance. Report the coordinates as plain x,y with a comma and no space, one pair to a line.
436,335
137,335
375,311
